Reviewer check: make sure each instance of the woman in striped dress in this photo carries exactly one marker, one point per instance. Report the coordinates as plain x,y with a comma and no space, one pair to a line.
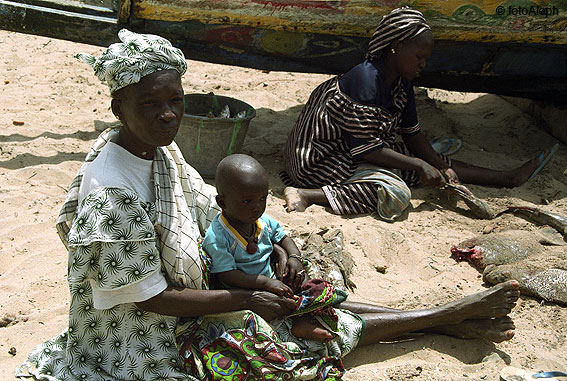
342,152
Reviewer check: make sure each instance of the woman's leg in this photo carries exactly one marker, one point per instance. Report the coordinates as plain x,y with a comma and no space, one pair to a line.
298,199
385,195
471,316
471,174
365,308
495,329
358,198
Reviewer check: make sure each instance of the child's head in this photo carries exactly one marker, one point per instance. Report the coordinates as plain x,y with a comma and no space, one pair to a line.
242,188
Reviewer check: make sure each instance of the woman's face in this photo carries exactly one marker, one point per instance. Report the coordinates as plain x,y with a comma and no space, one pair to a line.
411,56
150,111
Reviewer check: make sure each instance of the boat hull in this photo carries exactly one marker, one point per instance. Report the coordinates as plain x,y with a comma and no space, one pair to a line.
487,54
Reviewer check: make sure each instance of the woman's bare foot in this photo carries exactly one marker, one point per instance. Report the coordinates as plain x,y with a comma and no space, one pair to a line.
495,302
522,174
303,328
295,200
299,199
494,330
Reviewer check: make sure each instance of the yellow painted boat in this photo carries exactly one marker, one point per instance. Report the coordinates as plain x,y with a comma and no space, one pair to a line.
514,47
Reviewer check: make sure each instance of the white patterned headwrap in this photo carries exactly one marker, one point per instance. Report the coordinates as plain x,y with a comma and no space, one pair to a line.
125,63
398,25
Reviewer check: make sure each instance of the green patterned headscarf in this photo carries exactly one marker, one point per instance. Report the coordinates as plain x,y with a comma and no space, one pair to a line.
138,55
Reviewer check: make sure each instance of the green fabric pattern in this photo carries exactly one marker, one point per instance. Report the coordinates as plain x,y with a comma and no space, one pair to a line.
242,346
112,246
136,56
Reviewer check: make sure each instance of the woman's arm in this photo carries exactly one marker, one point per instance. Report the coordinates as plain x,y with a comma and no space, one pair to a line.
187,302
420,147
386,157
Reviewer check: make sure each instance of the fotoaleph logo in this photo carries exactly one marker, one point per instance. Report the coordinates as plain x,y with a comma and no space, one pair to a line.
534,10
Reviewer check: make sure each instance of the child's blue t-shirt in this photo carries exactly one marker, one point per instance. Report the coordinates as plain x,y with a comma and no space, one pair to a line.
227,248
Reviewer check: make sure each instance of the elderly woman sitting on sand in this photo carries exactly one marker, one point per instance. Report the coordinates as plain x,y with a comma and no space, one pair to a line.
140,307
342,152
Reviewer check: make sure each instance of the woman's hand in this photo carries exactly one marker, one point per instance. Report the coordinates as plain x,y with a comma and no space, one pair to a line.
450,176
430,176
270,306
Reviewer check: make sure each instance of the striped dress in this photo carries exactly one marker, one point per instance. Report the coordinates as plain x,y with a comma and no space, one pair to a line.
334,131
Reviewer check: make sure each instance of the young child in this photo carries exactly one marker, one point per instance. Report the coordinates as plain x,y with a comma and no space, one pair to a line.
241,239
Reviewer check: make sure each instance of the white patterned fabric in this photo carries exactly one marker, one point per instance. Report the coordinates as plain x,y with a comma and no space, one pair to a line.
108,170
123,250
112,248
138,55
185,208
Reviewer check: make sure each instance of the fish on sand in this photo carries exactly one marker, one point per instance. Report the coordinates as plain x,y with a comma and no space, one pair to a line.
538,260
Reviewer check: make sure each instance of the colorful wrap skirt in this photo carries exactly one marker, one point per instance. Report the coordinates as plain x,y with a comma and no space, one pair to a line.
242,346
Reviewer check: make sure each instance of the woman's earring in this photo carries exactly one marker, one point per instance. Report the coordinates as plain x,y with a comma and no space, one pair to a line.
393,51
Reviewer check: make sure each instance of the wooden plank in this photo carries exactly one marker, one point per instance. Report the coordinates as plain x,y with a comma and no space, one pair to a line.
90,7
56,23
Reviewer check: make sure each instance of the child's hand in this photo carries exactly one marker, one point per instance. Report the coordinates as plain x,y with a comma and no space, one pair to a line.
294,273
278,288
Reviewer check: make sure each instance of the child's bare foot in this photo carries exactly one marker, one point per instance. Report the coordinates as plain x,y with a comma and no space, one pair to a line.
495,330
295,200
303,328
531,168
496,302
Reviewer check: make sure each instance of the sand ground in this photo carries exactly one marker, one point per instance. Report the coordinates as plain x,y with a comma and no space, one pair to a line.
53,108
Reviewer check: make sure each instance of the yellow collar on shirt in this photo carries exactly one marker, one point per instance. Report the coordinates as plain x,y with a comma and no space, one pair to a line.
236,234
